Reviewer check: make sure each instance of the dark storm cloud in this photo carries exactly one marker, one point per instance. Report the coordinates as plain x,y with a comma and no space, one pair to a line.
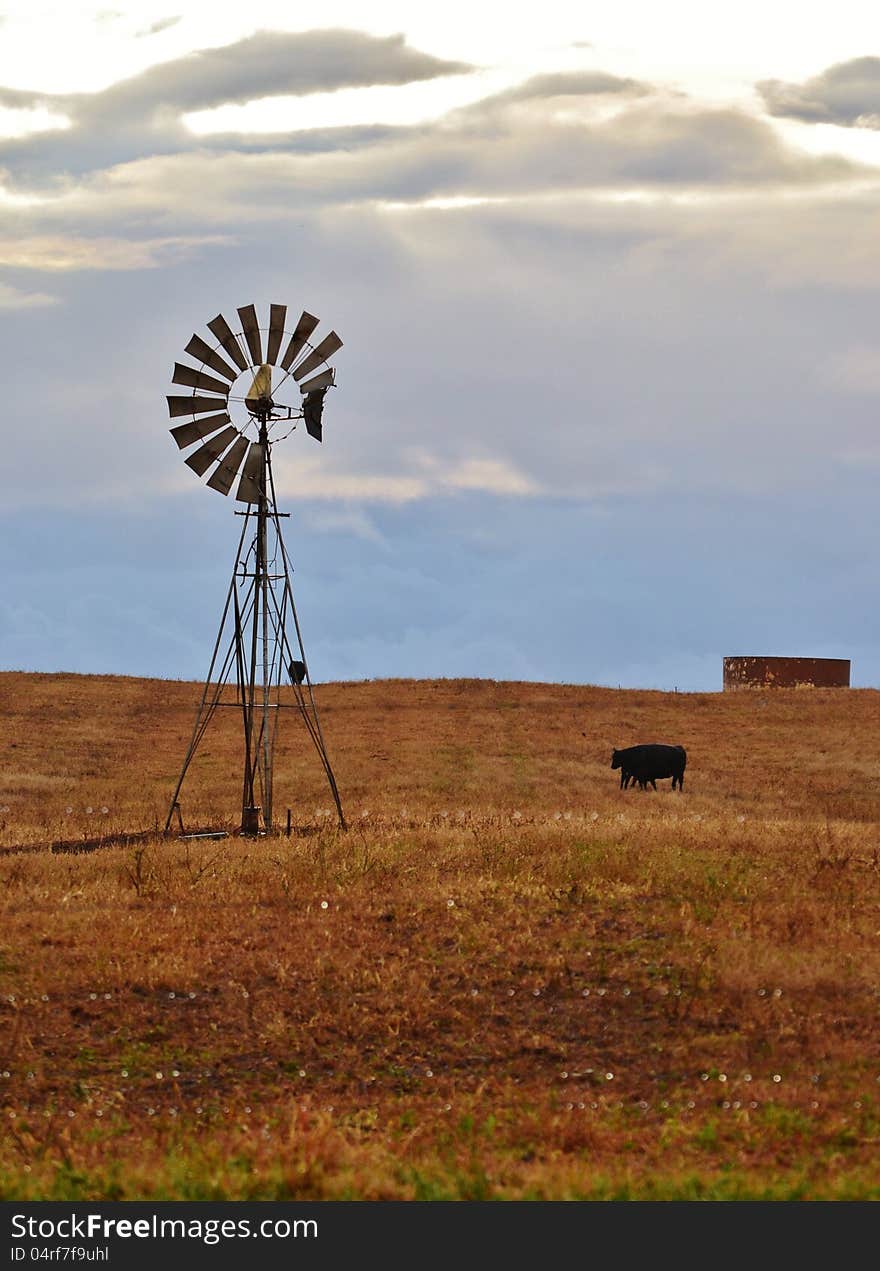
847,94
142,115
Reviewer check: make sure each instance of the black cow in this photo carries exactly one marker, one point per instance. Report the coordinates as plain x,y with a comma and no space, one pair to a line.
650,764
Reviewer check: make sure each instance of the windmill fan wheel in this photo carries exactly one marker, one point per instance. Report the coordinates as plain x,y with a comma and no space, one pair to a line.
243,384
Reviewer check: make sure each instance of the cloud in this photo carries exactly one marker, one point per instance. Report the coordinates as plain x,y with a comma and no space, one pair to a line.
69,251
14,298
847,93
425,475
269,63
571,84
519,151
142,115
494,476
21,121
561,131
658,141
163,24
302,478
566,323
853,370
577,349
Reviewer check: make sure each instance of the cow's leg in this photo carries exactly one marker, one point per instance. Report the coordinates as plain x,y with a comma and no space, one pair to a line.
622,779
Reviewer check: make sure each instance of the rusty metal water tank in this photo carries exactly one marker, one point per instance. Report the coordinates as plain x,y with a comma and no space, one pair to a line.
760,672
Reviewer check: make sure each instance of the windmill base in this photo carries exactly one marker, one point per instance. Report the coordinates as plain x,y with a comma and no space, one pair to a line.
250,820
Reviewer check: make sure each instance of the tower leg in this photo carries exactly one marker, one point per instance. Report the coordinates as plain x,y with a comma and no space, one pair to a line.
212,688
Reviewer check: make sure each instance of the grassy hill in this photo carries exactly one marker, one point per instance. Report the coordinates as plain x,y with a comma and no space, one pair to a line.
508,979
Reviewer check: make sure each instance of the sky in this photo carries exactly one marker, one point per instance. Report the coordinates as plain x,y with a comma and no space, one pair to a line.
607,278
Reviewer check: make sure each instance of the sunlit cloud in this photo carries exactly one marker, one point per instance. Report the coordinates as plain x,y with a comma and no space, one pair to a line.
428,476
404,105
302,479
24,121
60,253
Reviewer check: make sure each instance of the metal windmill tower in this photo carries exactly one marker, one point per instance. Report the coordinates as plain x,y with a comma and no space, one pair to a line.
259,649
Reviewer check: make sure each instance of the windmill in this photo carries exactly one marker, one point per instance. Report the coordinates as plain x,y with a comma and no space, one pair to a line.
248,391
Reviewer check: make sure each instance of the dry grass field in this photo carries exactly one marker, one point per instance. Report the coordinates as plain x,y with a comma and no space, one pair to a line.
508,979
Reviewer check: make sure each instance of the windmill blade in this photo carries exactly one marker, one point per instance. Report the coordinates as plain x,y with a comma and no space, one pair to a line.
186,434
251,327
196,379
249,485
319,354
277,317
313,408
227,469
324,380
304,328
193,405
211,451
209,357
220,327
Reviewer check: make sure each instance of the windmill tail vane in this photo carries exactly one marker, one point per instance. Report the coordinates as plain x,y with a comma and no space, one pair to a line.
245,384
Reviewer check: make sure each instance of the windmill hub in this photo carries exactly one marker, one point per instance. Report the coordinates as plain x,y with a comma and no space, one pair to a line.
244,384
259,401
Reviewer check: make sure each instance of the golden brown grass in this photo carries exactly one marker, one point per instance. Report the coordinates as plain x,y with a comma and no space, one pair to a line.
508,979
